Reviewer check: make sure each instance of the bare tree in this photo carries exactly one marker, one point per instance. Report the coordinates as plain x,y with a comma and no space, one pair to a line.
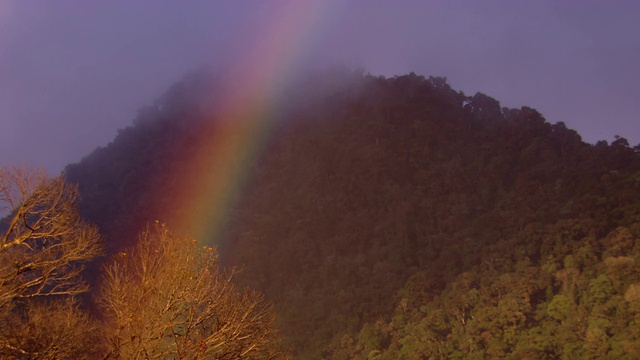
167,298
56,329
43,242
43,248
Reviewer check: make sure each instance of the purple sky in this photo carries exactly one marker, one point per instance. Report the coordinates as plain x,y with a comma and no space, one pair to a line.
73,72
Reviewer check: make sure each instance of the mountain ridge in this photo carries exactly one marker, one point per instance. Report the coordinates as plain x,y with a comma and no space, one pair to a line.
388,217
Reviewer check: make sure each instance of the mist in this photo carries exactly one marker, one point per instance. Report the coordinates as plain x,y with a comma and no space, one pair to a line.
73,72
392,179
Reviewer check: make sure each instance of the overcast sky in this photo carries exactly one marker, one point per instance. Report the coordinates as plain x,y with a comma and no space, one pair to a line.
73,72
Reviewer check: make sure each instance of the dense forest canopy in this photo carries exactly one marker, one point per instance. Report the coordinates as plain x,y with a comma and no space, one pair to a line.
396,218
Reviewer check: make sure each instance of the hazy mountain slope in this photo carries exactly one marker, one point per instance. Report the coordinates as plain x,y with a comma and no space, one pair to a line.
395,217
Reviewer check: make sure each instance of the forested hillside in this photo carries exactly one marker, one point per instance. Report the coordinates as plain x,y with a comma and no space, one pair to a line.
395,218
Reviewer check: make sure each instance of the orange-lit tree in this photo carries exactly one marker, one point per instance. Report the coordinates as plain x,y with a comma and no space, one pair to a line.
43,243
167,298
43,247
51,330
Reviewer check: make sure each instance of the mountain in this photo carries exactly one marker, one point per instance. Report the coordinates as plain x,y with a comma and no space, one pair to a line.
396,218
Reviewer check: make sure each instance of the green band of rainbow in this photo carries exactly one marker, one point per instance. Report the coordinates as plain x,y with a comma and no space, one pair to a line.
213,179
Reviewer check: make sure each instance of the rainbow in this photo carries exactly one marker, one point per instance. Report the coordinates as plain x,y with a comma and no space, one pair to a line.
213,180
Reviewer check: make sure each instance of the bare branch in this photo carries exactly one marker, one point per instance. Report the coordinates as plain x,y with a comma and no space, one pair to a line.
50,330
168,298
43,242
